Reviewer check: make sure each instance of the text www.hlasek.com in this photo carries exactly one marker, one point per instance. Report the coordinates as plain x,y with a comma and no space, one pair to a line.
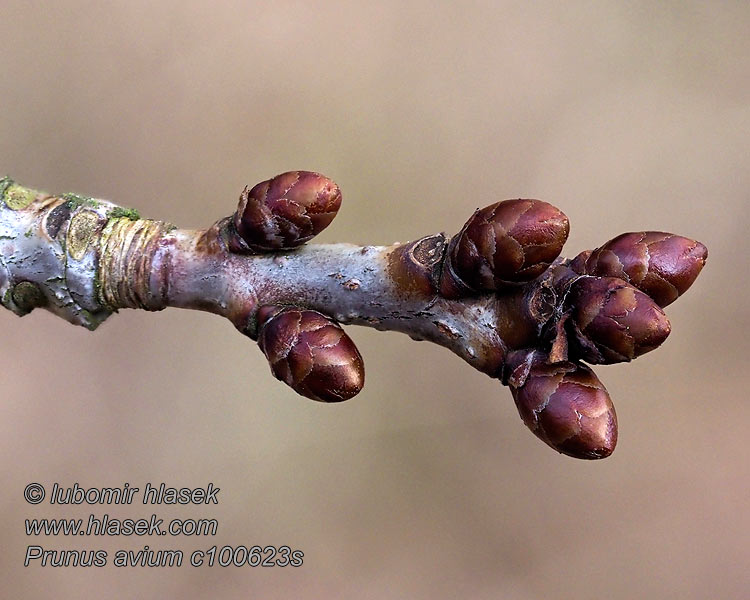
105,525
126,527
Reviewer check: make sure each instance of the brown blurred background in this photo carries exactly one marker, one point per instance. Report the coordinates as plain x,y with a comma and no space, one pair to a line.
627,116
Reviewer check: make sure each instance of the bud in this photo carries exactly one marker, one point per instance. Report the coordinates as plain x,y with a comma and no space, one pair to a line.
286,211
566,406
506,243
663,265
310,353
613,321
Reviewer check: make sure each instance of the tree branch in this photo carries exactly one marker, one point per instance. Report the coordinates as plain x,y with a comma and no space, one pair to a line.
496,294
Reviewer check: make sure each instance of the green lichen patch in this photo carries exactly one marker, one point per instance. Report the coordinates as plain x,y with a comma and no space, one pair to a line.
17,197
76,201
127,213
27,296
5,183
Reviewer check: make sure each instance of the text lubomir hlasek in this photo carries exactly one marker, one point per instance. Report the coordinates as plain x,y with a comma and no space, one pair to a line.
161,494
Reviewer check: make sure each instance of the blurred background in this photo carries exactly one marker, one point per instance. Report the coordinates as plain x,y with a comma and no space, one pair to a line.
627,116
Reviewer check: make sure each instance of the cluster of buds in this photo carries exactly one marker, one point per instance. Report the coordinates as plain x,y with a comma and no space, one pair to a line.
605,305
607,309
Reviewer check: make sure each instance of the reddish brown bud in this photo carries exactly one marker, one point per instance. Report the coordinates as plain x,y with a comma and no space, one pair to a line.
613,321
286,211
505,243
310,353
566,406
663,265
578,264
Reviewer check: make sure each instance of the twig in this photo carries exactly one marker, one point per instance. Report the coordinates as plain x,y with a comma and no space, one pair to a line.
496,294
